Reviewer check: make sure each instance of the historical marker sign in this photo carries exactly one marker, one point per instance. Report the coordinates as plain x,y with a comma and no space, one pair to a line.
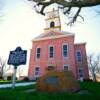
17,57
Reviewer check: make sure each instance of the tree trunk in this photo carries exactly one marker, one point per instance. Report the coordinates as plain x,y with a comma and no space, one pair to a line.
94,77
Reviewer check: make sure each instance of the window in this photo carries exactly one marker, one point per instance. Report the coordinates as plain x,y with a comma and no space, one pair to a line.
37,71
65,50
38,53
65,67
78,56
80,72
51,52
52,24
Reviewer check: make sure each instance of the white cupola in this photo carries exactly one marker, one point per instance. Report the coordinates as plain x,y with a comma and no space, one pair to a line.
53,20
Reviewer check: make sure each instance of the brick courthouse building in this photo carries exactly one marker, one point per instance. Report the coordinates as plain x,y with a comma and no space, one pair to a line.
55,49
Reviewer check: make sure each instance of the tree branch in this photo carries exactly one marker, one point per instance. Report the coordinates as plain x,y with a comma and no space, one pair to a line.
75,17
69,4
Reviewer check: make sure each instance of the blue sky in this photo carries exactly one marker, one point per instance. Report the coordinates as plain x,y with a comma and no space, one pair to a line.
20,24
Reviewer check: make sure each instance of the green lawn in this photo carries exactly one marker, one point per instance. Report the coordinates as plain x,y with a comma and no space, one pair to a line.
20,94
10,81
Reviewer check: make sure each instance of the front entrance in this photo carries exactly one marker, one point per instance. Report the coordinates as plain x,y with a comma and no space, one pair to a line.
50,68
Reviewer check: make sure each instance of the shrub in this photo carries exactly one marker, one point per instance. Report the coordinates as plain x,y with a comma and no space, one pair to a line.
9,78
88,80
25,79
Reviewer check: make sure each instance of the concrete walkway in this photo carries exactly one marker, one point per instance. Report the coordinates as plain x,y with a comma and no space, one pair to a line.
17,84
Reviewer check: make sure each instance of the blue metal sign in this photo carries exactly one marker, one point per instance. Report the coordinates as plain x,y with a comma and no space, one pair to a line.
17,57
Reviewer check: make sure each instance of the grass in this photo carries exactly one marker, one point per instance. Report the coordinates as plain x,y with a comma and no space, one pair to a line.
10,81
19,93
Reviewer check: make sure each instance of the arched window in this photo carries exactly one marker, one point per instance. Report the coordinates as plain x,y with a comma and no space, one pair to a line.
52,24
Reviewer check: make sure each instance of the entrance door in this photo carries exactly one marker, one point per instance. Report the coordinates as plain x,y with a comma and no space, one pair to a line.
51,68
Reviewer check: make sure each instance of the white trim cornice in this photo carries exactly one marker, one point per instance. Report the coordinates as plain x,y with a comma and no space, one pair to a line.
53,37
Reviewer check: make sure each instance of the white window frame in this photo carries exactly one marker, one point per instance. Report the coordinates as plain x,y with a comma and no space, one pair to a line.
77,56
49,51
67,50
37,71
37,53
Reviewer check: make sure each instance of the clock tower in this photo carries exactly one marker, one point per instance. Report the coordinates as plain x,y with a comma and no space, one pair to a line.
53,20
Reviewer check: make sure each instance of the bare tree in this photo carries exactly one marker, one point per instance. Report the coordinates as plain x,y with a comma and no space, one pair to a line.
67,6
3,67
94,65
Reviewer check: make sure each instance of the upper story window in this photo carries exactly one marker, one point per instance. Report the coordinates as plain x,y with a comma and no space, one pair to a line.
38,51
51,52
65,50
52,24
78,56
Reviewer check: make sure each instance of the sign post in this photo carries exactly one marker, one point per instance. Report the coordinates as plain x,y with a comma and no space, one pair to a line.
16,58
14,77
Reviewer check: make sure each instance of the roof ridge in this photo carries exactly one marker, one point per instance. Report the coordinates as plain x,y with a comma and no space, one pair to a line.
53,33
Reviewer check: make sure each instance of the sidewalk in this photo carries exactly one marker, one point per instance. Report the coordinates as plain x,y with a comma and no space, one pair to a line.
17,84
